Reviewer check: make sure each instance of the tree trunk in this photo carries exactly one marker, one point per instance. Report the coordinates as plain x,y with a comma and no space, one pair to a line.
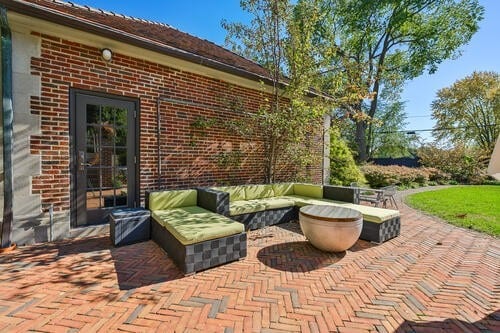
361,141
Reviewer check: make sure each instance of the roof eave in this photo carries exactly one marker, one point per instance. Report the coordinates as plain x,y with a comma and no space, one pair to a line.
108,32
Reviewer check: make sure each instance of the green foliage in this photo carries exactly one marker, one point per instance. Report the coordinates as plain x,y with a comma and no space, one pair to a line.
379,176
385,136
203,123
385,43
343,168
279,37
463,164
472,105
229,159
199,127
481,211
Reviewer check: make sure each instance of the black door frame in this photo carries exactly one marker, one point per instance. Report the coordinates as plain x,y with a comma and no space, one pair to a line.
73,153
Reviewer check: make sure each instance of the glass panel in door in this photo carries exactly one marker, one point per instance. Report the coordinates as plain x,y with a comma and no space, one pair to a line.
105,157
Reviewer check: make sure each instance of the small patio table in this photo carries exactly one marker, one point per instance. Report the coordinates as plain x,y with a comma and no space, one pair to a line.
330,228
129,225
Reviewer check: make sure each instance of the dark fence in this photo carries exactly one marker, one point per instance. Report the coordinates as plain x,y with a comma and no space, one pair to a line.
411,162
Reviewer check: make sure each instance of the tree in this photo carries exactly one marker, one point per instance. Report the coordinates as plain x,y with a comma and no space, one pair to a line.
279,38
385,135
343,168
469,111
387,42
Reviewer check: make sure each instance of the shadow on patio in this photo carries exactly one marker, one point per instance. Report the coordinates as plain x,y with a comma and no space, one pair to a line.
88,264
490,323
296,255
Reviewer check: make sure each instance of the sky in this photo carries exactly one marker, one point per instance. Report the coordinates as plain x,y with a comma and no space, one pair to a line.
202,18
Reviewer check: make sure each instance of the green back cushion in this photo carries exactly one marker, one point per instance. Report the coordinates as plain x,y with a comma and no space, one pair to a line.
283,189
236,193
172,199
258,192
308,190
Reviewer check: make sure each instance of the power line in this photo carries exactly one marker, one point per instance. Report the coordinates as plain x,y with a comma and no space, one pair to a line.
424,116
433,129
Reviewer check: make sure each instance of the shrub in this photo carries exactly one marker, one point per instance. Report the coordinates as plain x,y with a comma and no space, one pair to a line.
437,176
343,168
491,182
379,176
461,164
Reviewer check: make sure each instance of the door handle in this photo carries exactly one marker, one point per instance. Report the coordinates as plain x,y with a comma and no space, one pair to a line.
81,161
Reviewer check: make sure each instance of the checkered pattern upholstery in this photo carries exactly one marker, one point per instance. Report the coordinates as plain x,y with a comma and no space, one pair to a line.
380,232
261,219
199,256
213,200
129,225
215,252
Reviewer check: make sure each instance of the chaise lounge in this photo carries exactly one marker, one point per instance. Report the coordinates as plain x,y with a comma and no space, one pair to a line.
194,237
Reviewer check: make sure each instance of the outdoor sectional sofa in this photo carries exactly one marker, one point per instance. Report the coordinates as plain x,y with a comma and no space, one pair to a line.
194,237
206,227
257,206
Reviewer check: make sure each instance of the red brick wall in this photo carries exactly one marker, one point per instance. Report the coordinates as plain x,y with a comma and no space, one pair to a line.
190,155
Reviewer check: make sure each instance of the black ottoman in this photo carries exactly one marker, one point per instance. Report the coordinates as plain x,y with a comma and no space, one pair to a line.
129,225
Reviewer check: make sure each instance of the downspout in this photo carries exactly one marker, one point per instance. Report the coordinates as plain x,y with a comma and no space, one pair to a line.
158,145
8,116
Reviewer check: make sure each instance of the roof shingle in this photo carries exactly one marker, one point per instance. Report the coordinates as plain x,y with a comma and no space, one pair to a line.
158,34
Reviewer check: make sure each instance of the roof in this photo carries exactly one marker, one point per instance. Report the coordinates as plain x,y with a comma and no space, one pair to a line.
143,33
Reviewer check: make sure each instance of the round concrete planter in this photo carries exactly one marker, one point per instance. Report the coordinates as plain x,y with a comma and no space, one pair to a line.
329,228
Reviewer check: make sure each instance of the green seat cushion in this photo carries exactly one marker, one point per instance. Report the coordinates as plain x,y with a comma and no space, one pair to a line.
194,224
236,193
308,190
258,192
246,207
371,214
283,189
301,201
172,199
374,214
275,203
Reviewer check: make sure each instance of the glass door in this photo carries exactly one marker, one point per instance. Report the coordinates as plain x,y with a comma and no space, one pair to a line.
104,157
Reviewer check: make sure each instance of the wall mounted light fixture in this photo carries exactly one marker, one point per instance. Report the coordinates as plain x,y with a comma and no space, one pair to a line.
107,54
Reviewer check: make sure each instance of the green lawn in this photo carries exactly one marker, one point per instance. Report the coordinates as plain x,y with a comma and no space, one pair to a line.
474,207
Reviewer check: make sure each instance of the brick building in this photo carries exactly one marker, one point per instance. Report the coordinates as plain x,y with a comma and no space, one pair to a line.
91,132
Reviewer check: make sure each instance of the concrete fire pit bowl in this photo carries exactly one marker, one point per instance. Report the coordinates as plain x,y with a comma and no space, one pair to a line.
330,228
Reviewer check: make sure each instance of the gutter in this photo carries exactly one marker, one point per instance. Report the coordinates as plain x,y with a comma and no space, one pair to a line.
8,117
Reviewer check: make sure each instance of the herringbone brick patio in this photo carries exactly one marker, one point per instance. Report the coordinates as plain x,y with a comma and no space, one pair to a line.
432,278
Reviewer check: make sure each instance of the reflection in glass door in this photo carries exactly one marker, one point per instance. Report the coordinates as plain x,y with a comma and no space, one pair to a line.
105,157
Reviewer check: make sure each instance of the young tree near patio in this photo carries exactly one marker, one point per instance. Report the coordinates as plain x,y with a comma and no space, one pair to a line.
391,41
344,170
469,111
280,38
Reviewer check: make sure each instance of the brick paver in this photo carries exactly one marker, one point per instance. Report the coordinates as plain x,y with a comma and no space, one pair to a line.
433,278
